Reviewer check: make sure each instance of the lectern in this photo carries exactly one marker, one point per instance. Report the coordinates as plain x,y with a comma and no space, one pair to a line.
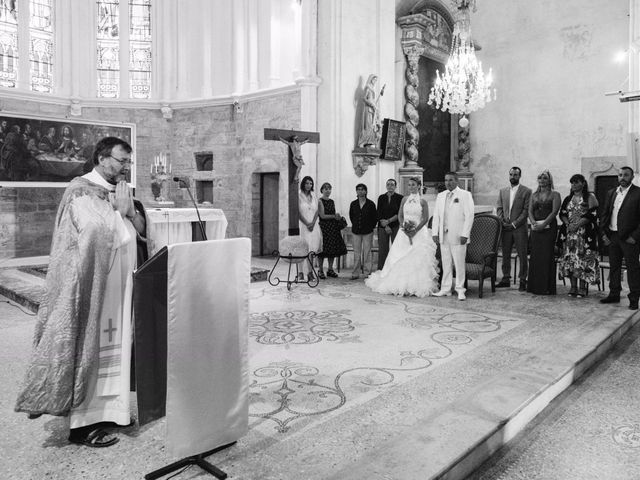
191,309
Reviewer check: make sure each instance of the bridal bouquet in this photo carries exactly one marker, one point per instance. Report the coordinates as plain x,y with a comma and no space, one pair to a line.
409,227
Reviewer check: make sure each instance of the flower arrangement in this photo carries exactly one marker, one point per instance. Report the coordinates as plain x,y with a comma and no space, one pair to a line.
409,227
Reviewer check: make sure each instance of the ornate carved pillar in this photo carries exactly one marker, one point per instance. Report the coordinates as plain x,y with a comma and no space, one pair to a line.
412,52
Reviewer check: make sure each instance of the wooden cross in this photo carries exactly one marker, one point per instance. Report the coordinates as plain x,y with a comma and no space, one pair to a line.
294,139
110,330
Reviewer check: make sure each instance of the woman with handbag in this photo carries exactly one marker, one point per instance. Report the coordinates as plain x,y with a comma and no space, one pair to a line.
330,224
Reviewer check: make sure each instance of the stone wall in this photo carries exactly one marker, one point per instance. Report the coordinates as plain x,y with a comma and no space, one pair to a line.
552,64
234,136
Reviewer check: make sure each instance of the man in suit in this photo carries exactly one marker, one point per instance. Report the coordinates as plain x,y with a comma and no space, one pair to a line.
388,206
512,208
452,221
620,226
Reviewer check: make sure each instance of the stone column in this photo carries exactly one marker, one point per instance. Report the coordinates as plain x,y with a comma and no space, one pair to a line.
412,98
463,155
411,167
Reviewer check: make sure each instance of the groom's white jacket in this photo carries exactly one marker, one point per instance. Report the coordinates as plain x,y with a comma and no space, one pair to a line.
459,216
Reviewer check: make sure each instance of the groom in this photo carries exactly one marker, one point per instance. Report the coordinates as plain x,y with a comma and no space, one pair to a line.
452,222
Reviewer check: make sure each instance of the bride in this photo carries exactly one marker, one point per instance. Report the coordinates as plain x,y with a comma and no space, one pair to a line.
411,267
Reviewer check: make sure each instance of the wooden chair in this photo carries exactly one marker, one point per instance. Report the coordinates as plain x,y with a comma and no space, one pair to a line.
482,251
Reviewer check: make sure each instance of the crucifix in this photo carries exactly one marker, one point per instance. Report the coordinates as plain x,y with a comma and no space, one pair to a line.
294,140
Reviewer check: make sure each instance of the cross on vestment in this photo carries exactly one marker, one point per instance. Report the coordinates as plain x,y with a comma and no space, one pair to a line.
110,330
294,139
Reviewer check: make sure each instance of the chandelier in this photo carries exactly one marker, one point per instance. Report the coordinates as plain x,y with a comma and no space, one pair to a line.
463,87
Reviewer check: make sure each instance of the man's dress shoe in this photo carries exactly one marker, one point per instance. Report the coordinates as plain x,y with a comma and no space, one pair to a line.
504,283
610,299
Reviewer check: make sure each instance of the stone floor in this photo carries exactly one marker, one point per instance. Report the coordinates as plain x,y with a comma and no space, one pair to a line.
590,432
441,421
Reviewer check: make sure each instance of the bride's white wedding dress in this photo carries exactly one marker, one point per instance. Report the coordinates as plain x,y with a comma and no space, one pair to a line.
410,269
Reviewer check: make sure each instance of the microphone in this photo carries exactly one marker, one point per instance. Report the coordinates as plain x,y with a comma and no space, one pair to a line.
184,180
184,183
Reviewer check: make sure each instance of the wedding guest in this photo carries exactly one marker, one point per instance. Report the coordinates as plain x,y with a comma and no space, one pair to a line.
308,222
331,223
621,233
513,209
363,216
543,209
388,225
578,237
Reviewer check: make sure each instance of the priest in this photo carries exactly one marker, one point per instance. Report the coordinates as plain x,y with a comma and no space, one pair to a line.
80,365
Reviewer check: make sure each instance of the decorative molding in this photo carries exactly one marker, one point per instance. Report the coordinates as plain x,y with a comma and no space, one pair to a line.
20,95
75,109
363,157
167,112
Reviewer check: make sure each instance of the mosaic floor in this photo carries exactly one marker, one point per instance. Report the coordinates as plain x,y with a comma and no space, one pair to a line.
344,383
317,351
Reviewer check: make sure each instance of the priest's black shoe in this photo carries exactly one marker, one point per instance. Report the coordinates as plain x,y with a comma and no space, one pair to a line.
633,305
504,283
610,299
523,286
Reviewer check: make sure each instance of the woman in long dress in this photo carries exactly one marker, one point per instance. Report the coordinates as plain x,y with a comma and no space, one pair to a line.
578,237
411,267
543,209
308,222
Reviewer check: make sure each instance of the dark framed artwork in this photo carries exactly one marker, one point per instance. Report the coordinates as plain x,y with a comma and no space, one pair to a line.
50,152
393,133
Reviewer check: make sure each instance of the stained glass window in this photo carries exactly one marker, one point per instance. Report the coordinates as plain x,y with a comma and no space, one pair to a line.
140,48
108,48
114,38
8,43
41,45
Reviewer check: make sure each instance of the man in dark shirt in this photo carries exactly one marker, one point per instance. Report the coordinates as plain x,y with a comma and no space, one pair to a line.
363,216
388,225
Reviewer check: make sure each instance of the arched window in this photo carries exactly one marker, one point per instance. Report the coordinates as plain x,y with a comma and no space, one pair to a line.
124,48
34,43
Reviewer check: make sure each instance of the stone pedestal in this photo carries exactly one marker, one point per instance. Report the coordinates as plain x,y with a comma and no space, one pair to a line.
363,157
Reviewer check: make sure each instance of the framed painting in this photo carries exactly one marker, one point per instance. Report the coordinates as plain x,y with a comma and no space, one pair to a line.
50,152
393,133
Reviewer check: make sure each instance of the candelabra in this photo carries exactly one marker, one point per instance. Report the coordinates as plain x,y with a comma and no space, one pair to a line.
160,170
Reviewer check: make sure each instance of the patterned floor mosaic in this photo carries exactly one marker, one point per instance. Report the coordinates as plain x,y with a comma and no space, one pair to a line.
316,352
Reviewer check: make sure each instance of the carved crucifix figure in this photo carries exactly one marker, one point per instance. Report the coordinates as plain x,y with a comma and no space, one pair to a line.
296,154
294,140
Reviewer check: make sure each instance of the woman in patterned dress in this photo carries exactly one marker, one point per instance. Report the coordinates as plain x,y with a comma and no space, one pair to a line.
578,237
332,243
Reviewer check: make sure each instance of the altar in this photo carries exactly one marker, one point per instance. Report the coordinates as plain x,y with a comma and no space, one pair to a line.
166,226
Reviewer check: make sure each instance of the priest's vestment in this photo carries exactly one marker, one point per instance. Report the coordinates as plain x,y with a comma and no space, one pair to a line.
82,342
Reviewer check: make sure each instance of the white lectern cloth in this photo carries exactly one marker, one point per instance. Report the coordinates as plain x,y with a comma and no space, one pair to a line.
173,225
207,338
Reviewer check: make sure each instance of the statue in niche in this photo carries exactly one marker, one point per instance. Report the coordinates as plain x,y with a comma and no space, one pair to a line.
296,154
370,128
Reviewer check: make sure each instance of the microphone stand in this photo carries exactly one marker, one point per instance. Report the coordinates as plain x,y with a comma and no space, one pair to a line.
182,183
